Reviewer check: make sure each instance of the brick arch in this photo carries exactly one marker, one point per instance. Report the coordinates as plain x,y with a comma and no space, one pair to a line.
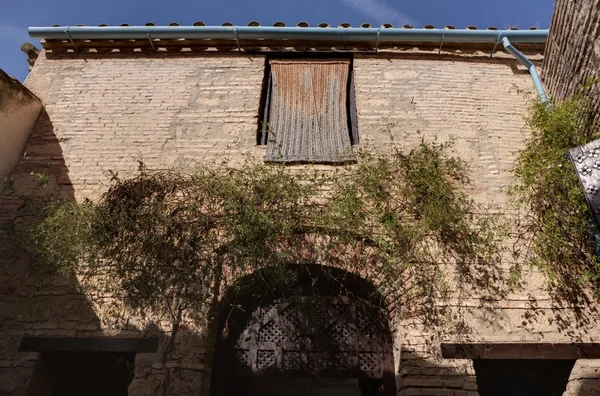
327,323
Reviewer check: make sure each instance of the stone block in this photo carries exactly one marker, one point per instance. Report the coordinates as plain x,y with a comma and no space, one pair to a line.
422,382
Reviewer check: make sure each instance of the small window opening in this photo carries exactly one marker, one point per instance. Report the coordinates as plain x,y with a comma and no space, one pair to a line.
308,111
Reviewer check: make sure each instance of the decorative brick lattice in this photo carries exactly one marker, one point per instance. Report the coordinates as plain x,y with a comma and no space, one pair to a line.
320,314
292,360
343,361
243,358
322,336
317,361
266,308
341,312
265,359
365,326
292,315
271,332
339,333
368,361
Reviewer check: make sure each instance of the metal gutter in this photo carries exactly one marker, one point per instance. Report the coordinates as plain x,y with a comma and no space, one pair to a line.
342,34
537,82
286,33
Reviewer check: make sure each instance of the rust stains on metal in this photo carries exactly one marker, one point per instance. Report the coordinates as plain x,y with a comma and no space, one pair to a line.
308,115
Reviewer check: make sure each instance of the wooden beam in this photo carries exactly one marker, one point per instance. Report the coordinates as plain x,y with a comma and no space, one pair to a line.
88,344
521,351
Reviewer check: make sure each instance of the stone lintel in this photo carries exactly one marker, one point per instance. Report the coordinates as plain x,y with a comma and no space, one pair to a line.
521,350
88,344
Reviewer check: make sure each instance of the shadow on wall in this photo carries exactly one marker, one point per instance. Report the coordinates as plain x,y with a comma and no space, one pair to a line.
31,305
45,309
49,309
267,341
309,329
180,368
486,377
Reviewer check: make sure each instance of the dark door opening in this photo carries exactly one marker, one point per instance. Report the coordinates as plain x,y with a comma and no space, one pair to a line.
526,377
82,373
298,386
336,346
325,337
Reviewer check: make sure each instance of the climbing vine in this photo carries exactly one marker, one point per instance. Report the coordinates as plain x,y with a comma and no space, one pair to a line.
171,241
559,233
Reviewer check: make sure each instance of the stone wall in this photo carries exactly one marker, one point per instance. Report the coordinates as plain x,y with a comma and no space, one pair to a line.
107,112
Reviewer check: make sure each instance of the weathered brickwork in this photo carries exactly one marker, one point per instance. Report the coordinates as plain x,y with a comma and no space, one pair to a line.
164,112
475,104
107,115
108,112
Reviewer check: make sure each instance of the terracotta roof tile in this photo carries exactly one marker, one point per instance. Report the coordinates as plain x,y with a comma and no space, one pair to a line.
326,25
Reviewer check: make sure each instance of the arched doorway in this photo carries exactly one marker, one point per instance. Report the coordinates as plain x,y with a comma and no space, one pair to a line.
325,335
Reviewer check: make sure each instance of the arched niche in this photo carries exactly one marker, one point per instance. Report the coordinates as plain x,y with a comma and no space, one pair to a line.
320,331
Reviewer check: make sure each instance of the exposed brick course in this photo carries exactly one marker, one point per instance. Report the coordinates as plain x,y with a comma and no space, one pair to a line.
105,113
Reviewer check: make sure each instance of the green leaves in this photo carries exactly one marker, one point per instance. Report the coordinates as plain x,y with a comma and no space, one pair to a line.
64,238
560,222
169,240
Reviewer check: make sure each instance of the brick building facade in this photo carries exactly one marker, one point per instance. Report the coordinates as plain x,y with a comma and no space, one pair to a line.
113,103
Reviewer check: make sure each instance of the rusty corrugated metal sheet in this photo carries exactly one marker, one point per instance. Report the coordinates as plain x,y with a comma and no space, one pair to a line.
308,118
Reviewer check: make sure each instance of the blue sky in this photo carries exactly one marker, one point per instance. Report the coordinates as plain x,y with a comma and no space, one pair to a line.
17,15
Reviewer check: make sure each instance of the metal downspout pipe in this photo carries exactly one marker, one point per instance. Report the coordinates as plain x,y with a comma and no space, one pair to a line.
537,82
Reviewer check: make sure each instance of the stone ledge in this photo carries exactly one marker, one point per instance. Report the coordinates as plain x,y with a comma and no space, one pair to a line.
90,344
521,351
